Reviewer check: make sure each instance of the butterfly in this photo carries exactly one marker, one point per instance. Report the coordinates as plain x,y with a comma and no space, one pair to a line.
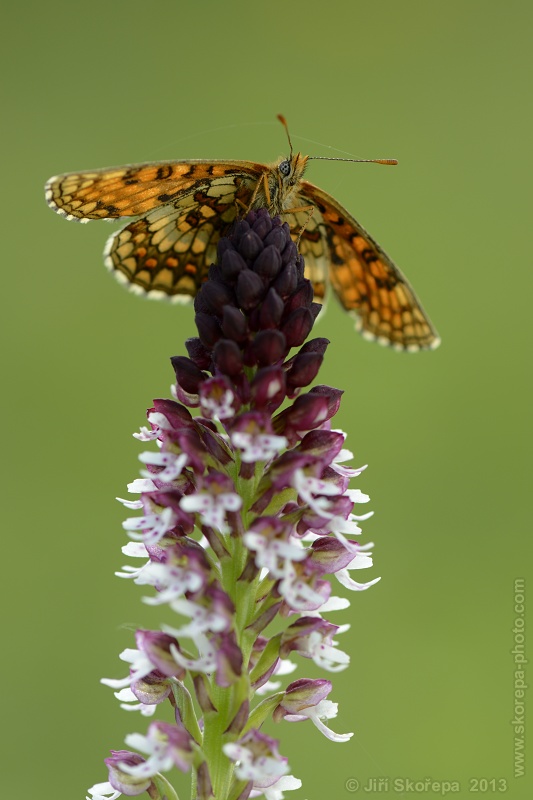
182,208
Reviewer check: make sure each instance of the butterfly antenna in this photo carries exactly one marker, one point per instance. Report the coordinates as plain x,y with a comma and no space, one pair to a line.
388,161
391,162
284,123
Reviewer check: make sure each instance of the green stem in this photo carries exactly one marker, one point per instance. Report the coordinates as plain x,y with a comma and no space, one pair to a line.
228,700
215,723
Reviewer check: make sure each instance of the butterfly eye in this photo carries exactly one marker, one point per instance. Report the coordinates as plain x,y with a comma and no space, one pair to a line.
285,168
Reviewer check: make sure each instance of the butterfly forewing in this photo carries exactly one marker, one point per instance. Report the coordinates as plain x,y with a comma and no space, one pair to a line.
136,189
367,282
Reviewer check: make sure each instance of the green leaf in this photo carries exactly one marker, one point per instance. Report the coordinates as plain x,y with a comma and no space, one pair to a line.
262,711
268,656
186,708
166,791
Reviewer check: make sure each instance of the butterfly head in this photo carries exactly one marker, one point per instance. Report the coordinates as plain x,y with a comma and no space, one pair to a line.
290,170
284,178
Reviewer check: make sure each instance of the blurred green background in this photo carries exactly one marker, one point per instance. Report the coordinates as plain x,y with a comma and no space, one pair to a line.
446,89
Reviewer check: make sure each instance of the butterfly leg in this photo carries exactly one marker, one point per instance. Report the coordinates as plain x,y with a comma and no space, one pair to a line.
263,180
309,210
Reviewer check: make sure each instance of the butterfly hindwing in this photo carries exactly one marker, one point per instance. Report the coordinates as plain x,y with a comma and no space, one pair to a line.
169,250
306,231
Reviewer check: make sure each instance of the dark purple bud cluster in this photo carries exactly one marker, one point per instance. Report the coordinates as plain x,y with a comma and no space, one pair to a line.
256,306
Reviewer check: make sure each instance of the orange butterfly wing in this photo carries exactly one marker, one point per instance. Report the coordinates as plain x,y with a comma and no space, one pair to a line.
136,189
366,281
184,208
168,251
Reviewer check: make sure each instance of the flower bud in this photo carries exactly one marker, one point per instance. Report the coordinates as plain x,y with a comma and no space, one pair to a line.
250,289
250,245
302,694
188,375
231,265
120,780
